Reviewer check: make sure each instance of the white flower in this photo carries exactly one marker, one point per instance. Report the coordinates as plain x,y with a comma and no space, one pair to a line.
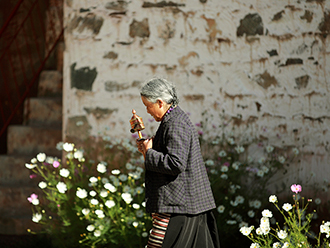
122,177
282,234
231,141
97,233
79,154
276,245
221,209
251,213
93,180
69,155
295,151
287,207
99,213
269,149
144,234
318,201
239,199
64,172
94,201
105,180
104,193
110,187
264,225
267,213
81,193
30,166
59,146
68,147
36,217
254,245
261,160
85,211
127,197
281,159
285,245
265,169
61,187
129,166
325,228
101,168
139,190
209,162
236,165
110,203
224,168
135,223
115,172
239,149
224,176
260,173
92,193
41,157
90,228
246,230
222,153
273,198
136,206
257,204
139,213
42,185
259,231
243,223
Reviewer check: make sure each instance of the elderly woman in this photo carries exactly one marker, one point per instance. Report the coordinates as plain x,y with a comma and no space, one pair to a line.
178,192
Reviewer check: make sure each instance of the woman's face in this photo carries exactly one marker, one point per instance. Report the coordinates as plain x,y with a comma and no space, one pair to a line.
156,110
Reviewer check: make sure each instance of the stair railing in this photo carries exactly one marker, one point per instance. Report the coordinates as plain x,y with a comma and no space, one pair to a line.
27,40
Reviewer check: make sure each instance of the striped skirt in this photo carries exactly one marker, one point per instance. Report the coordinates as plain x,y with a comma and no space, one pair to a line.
184,231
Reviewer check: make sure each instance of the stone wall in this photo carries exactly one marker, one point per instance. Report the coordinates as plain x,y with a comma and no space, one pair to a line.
265,61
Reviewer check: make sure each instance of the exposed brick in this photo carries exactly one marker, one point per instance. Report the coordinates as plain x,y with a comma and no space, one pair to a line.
251,24
82,78
91,22
139,29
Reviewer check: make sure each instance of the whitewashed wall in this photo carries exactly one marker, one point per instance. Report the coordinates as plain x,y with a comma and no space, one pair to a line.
266,60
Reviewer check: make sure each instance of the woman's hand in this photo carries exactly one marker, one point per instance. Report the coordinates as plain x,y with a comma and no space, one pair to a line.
143,145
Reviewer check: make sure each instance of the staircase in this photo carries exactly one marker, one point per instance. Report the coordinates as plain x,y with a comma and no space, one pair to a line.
40,132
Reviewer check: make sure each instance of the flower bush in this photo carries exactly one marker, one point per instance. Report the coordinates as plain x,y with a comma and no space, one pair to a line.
296,226
239,169
84,203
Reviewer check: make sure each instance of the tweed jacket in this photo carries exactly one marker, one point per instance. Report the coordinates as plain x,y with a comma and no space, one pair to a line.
176,180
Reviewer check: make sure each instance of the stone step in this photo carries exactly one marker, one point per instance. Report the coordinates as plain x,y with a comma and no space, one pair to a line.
31,140
45,111
14,200
14,172
50,83
18,224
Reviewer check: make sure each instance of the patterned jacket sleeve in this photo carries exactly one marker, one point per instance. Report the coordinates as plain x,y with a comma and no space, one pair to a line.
171,157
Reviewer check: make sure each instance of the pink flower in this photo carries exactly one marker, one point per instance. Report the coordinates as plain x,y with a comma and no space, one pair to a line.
56,164
296,188
33,176
226,164
32,197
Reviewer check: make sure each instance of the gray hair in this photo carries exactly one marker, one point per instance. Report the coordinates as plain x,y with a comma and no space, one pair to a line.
159,89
